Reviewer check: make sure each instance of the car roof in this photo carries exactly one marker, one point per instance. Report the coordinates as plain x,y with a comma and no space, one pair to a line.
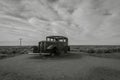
57,37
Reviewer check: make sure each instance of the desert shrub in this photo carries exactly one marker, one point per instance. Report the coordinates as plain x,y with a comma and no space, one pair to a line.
16,50
108,51
118,49
90,51
99,51
4,52
3,56
12,51
81,50
35,49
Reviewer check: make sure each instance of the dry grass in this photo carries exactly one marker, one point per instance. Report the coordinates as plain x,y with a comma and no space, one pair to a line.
111,55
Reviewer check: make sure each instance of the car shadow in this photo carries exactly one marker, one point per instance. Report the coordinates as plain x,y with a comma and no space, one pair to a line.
61,57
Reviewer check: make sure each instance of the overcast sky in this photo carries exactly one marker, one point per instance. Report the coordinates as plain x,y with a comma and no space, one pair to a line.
86,22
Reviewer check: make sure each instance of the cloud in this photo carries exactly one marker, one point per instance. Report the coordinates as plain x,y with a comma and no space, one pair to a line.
37,9
52,1
82,21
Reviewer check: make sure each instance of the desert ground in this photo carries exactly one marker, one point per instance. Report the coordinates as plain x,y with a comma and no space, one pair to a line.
70,67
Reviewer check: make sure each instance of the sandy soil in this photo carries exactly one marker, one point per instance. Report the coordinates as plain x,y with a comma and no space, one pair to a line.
74,67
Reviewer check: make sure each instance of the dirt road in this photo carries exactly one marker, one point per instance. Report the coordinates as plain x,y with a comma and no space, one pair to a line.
31,67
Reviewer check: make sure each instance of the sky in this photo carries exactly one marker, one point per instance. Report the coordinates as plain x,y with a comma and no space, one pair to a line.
84,22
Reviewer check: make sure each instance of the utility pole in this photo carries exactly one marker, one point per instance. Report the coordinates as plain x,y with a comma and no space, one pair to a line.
20,41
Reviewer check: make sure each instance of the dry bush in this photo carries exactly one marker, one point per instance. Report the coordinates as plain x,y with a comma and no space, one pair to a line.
12,51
